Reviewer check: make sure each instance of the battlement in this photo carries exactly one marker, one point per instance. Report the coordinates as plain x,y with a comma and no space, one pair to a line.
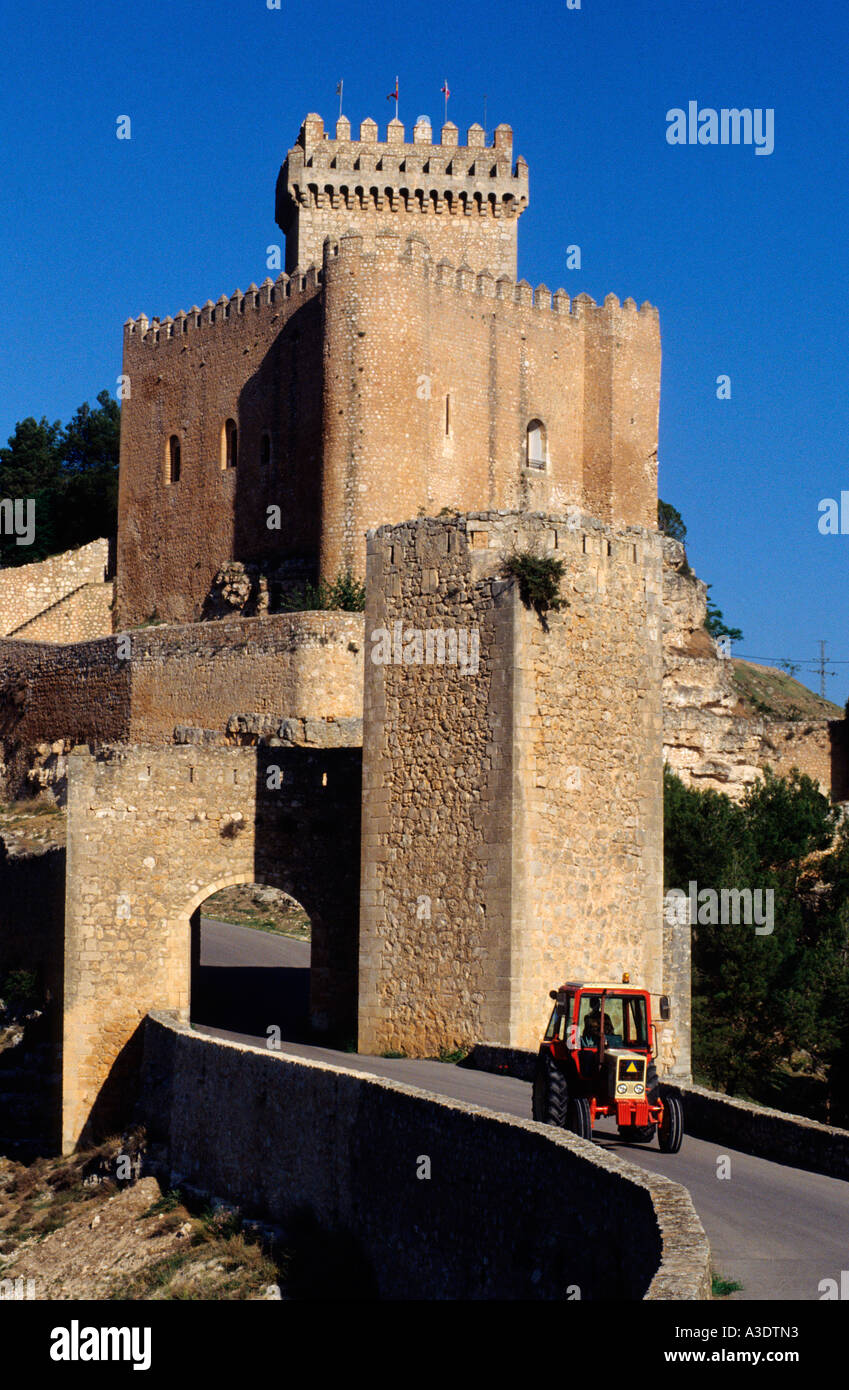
482,284
287,292
326,185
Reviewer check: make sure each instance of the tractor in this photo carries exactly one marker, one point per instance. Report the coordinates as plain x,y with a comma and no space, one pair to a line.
596,1060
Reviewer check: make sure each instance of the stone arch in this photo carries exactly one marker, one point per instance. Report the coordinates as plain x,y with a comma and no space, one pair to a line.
140,876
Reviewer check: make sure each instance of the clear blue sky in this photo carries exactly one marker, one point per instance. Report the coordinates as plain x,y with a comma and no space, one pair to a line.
744,254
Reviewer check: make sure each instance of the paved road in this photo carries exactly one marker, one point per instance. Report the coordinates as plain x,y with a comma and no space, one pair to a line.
775,1229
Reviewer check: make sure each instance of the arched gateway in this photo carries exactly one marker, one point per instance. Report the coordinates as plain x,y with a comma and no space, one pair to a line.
152,832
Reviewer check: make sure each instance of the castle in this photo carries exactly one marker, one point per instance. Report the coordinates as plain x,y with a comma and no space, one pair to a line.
398,405
396,368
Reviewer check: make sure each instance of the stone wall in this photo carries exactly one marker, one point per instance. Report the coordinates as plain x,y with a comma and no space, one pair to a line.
79,616
510,1209
301,665
27,590
444,424
152,832
512,812
255,358
140,685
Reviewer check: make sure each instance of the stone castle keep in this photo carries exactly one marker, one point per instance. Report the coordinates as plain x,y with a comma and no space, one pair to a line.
394,369
398,405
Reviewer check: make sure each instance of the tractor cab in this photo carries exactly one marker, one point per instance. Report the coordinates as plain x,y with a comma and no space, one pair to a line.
596,1060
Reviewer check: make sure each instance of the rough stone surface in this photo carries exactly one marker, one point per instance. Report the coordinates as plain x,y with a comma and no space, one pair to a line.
62,599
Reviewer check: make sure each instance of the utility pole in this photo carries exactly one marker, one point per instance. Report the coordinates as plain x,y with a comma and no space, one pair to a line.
822,670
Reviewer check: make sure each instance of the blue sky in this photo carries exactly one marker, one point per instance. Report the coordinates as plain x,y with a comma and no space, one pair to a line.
744,255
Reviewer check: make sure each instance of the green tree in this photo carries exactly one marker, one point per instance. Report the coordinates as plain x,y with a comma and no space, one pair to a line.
715,622
71,476
30,470
670,521
88,451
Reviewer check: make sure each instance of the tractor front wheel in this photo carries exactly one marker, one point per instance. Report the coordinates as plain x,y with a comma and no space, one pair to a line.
550,1098
670,1131
579,1119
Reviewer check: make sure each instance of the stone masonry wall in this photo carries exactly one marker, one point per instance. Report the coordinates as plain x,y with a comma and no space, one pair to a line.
81,616
27,590
301,665
443,424
512,1210
140,685
255,358
512,812
151,833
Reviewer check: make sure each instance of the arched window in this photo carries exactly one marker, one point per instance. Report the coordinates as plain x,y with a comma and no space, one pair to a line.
265,449
173,470
537,448
229,444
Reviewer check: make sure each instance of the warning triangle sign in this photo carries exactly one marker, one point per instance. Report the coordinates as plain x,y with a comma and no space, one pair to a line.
632,1066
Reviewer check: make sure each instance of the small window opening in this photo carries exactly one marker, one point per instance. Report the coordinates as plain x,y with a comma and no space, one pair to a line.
536,445
229,444
173,459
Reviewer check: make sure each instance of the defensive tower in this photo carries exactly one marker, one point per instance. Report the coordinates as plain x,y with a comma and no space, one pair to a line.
464,200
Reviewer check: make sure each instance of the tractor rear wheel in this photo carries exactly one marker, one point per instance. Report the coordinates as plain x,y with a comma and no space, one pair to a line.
550,1092
579,1119
670,1131
636,1134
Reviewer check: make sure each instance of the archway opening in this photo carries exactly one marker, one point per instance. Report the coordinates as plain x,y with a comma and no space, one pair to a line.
250,964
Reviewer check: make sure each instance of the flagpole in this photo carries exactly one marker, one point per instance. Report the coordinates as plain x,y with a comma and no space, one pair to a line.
484,118
396,98
445,90
339,90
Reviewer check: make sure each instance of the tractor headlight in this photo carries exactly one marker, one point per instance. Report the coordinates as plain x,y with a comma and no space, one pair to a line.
638,1090
621,1088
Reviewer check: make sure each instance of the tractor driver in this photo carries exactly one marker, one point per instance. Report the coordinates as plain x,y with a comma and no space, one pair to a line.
592,1022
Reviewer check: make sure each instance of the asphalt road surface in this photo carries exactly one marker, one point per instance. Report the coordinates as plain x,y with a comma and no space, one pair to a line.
777,1230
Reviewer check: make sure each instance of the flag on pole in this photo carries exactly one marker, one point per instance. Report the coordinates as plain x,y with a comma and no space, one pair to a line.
393,96
339,86
444,89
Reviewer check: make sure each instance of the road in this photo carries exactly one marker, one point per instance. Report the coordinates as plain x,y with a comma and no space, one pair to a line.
776,1230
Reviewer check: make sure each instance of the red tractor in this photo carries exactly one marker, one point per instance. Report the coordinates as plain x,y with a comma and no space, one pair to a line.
596,1060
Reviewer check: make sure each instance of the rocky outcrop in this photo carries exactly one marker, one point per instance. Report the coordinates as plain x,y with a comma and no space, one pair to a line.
714,735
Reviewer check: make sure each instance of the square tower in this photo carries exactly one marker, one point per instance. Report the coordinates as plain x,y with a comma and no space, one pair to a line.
464,200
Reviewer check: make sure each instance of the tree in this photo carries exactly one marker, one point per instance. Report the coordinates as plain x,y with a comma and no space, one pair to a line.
716,625
88,450
69,474
759,996
670,522
30,472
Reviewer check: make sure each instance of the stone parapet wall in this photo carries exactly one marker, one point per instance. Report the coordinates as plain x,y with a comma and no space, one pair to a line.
27,590
81,616
145,684
511,1209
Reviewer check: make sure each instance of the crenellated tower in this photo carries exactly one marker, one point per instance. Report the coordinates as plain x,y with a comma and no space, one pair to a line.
464,200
